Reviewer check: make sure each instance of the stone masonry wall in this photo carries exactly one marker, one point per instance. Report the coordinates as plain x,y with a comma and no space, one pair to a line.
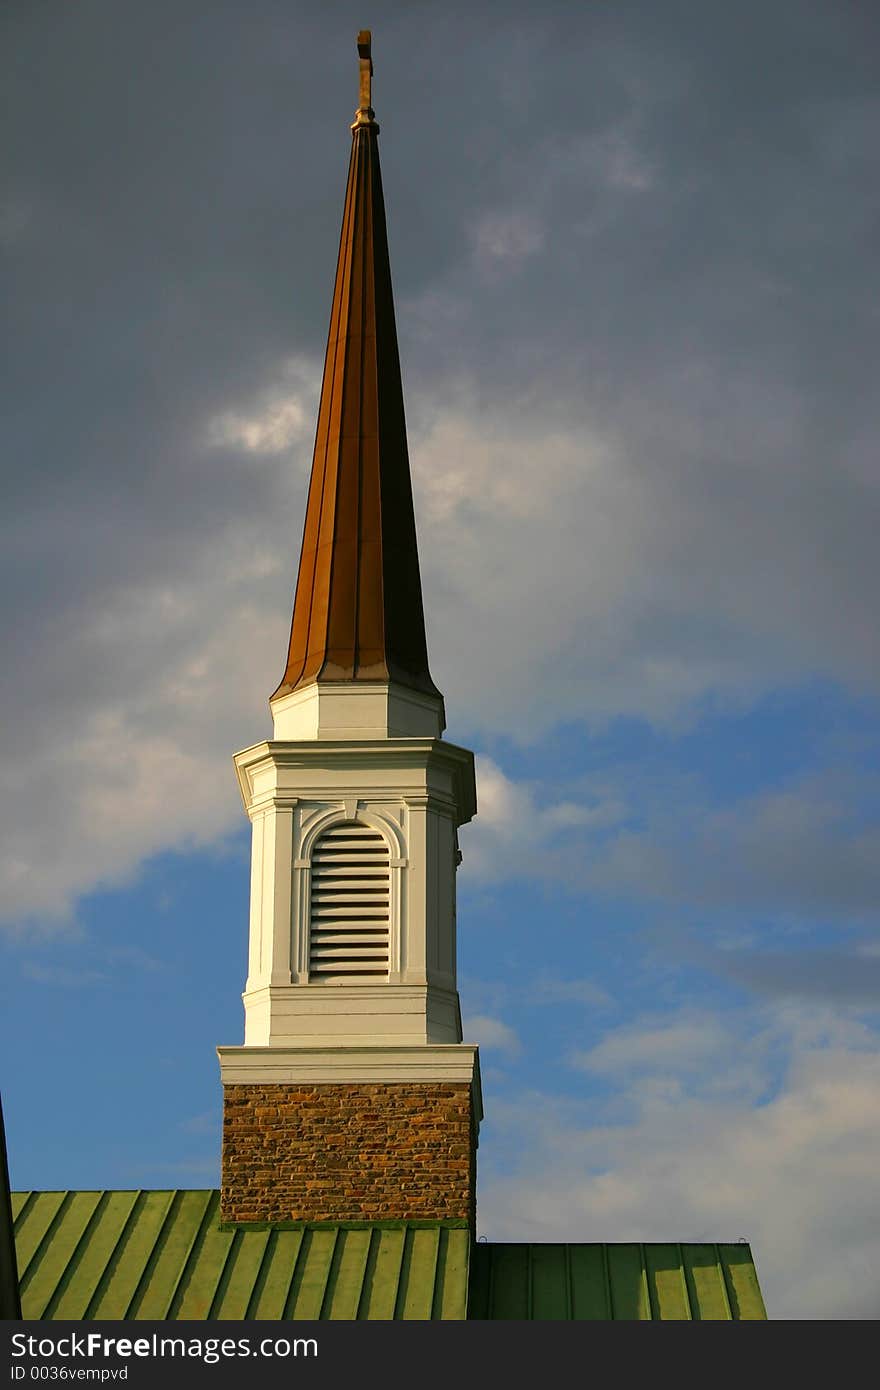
360,1152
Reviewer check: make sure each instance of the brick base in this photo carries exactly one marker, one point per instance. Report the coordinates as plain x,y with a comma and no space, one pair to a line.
359,1152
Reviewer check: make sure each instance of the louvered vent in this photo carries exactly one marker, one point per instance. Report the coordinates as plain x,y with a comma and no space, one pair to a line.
351,904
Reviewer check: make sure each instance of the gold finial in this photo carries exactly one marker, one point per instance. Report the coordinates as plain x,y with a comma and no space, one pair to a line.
365,113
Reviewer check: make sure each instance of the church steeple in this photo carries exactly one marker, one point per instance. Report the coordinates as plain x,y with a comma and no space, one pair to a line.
354,1092
358,612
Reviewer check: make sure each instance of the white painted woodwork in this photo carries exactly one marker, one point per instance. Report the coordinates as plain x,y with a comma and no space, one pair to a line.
357,710
399,802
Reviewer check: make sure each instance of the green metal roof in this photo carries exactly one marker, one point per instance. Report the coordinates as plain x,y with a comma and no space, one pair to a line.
162,1255
159,1255
602,1282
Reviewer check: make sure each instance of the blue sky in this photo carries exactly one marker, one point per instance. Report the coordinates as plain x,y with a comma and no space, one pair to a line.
630,263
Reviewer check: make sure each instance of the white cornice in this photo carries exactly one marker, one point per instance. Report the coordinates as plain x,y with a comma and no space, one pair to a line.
312,760
278,1066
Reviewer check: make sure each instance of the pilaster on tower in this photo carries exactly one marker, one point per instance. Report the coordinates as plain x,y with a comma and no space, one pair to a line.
353,1043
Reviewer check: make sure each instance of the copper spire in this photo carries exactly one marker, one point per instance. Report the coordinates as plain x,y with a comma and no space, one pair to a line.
357,614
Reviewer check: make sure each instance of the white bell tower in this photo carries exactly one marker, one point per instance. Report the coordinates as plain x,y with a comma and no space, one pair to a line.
355,850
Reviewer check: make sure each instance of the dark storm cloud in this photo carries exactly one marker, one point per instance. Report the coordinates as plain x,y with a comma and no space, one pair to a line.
181,171
635,234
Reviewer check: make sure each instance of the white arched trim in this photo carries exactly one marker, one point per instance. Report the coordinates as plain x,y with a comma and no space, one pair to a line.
325,820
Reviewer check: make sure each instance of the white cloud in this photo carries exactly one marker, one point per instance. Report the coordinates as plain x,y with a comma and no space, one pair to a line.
677,1045
564,578
796,1174
503,240
512,827
625,167
491,1033
611,159
281,415
807,847
145,766
166,676
570,574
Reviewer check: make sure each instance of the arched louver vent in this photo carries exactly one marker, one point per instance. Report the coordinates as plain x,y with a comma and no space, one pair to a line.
351,904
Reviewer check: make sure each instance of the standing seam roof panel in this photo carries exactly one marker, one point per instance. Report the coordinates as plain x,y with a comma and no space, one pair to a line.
164,1255
619,1282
